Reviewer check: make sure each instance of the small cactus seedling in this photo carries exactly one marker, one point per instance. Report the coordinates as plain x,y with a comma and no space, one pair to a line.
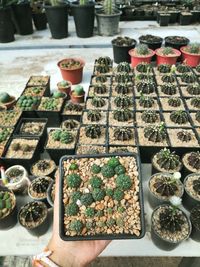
144,67
184,136
101,79
188,77
109,7
179,117
193,89
122,114
102,68
196,185
182,68
146,101
98,102
155,133
197,116
78,90
15,146
167,160
40,185
122,88
93,131
142,50
164,68
123,182
123,101
194,160
123,77
73,180
166,51
168,78
174,102
104,60
100,88
123,134
149,116
62,136
166,186
146,87
76,226
69,124
123,67
94,115
73,107
193,49
6,203
195,102
168,89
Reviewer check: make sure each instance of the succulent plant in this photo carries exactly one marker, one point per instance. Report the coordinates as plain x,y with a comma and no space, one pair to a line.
182,68
168,78
28,102
164,68
143,67
123,77
144,76
15,146
149,116
40,185
110,222
70,63
98,194
123,67
100,88
188,77
102,68
193,48
87,199
123,134
196,185
174,102
104,60
171,220
146,87
69,124
193,89
32,212
142,49
73,107
71,209
90,212
75,196
146,101
50,103
4,98
167,51
166,186
93,131
78,90
169,89
101,79
109,192
25,147
195,216
184,136
73,180
123,41
94,115
197,116
76,226
95,182
120,169
123,182
107,171
123,101
195,102
155,133
118,194
98,102
6,204
95,168
179,117
73,166
63,136
122,114
167,160
113,162
122,88
4,134
194,160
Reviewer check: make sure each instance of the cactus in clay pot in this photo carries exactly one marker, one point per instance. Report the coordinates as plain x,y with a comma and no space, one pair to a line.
5,98
184,136
166,186
149,116
101,79
146,87
164,68
77,95
122,88
196,185
122,114
195,102
93,131
182,68
197,116
179,117
174,102
123,134
143,67
146,101
155,133
100,88
167,160
193,89
94,115
123,77
194,160
188,77
123,101
142,49
98,102
168,78
104,60
69,124
123,67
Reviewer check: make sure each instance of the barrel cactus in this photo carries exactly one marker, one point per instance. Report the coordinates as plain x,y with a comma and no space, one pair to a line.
146,101
174,102
196,185
171,220
98,194
107,171
122,88
194,160
73,180
73,107
167,160
188,77
76,226
184,136
169,89
164,68
100,88
144,67
122,114
70,124
197,116
182,68
168,78
195,102
142,49
98,102
123,134
123,77
179,117
193,89
94,115
146,87
101,79
71,209
102,68
123,101
62,136
155,133
32,213
40,185
166,186
93,131
123,67
4,98
149,116
104,60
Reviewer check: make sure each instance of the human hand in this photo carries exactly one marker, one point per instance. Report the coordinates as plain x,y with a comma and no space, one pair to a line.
72,253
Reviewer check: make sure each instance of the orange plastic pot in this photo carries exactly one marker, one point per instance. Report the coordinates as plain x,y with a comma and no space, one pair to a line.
137,59
11,103
77,99
189,59
73,75
66,89
170,59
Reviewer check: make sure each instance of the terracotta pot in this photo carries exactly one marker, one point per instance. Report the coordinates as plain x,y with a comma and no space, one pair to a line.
137,59
65,90
11,103
77,98
72,75
191,60
170,59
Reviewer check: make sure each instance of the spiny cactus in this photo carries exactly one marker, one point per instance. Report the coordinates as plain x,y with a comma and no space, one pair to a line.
182,68
122,114
169,89
188,77
94,115
101,79
195,216
197,116
167,160
123,77
123,134
144,67
40,185
62,136
193,48
167,51
146,87
164,68
73,180
123,67
195,102
6,204
73,107
193,89
184,136
168,78
76,226
179,117
142,49
109,7
43,165
104,60
196,185
15,146
100,88
171,220
146,101
93,131
149,116
194,160
69,124
32,212
122,88
174,102
102,68
144,76
123,101
98,102
123,41
25,147
165,186
155,133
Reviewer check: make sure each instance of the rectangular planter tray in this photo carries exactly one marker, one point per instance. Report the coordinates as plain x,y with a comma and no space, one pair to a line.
99,236
53,117
47,91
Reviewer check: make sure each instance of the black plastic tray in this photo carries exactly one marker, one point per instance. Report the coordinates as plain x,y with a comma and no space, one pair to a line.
54,117
103,236
47,91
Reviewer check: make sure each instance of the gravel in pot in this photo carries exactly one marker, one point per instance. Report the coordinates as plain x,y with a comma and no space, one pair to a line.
37,190
191,162
43,167
90,149
182,138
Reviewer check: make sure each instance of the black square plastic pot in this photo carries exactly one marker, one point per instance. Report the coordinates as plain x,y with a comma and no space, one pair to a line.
185,19
76,117
99,236
57,154
195,16
53,117
47,86
29,114
6,26
174,16
164,19
121,54
40,21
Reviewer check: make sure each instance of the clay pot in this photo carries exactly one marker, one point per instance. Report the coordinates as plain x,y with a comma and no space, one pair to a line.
137,59
11,103
77,98
189,59
167,59
66,89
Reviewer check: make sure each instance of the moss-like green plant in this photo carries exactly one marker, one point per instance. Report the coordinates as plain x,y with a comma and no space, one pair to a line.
71,209
107,171
76,226
28,102
123,181
95,168
98,194
121,209
95,182
73,180
118,194
87,199
63,136
90,212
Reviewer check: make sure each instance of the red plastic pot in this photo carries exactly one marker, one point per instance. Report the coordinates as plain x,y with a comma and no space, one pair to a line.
137,59
189,59
73,75
170,59
77,99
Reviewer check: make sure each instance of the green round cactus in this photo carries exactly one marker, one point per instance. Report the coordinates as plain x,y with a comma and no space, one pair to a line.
122,114
123,101
118,194
169,89
94,115
155,133
78,90
87,199
95,182
179,117
123,67
146,101
174,102
90,212
113,162
73,180
75,196
4,98
123,182
98,102
164,68
120,169
76,226
123,134
72,209
95,168
122,88
193,89
107,171
93,131
149,116
98,194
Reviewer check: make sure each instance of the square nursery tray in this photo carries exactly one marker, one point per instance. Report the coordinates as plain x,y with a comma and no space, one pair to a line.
36,91
138,229
40,81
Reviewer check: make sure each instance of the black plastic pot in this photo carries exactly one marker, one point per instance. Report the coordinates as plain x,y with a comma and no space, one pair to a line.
164,19
195,16
174,15
6,26
54,117
40,21
57,154
121,52
57,17
23,18
195,234
188,200
185,19
176,41
84,19
47,85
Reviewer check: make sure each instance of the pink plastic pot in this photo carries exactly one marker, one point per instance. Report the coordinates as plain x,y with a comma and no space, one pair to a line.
191,60
170,59
137,59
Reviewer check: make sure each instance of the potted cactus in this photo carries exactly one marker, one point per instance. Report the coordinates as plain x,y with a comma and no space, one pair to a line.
140,54
195,220
108,18
92,134
167,55
191,54
83,12
7,100
6,28
72,111
191,195
121,46
44,167
70,124
77,95
65,87
72,69
153,42
176,41
191,162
